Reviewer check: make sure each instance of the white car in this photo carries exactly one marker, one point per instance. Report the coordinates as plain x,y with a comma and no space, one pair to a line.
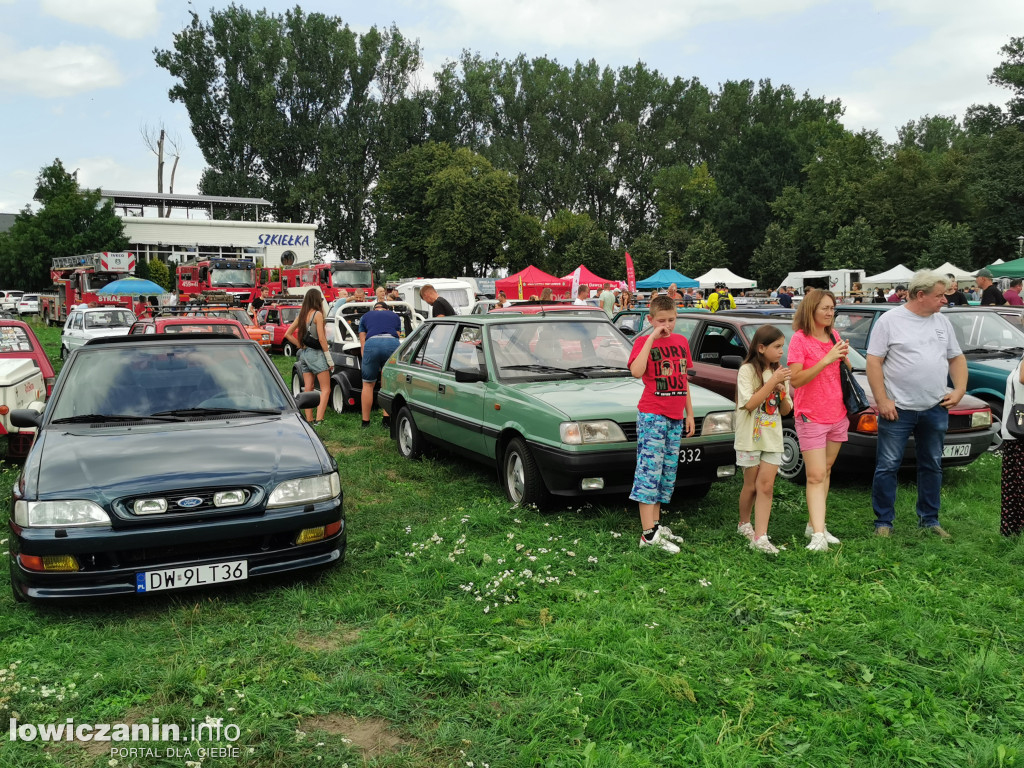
93,323
28,304
9,300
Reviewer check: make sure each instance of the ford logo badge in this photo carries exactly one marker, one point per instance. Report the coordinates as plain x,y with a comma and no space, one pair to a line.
190,501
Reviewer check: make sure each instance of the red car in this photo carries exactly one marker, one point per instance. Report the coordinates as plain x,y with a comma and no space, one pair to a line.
276,318
189,325
18,340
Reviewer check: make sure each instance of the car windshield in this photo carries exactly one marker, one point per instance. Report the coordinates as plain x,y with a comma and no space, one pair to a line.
985,332
14,339
114,318
232,278
856,358
142,380
358,277
558,349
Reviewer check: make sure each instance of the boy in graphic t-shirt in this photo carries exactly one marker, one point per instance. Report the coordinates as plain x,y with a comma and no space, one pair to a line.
660,359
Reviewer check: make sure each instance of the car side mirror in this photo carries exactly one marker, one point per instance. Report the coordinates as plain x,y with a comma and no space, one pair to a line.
733,362
307,400
468,377
28,418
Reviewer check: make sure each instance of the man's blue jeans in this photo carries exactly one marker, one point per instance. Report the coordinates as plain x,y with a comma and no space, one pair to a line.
929,429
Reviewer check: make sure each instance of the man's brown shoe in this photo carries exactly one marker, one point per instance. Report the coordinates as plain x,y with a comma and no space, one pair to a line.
884,531
939,531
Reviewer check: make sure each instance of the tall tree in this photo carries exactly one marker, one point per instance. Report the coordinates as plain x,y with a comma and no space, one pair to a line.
72,221
298,109
946,242
854,247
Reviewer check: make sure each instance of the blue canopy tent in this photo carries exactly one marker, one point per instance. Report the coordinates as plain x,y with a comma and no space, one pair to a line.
131,286
663,278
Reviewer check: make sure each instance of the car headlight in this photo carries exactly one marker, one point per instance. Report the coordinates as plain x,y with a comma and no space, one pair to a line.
718,423
580,432
59,514
981,419
305,490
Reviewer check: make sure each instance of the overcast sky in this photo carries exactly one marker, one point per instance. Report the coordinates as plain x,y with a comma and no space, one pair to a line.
77,77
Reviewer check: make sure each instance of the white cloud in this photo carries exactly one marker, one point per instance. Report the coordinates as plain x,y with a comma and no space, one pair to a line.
943,71
63,70
599,24
132,19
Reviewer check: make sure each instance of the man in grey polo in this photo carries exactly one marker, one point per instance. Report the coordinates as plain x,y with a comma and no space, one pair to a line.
911,351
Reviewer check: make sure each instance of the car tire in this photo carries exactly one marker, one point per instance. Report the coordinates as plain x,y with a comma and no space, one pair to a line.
521,477
288,349
63,352
792,467
407,435
338,396
296,383
696,492
997,421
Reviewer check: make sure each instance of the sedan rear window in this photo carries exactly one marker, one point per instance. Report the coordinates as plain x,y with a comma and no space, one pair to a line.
14,339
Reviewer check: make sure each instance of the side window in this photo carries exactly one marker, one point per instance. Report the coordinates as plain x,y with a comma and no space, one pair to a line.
685,326
432,352
468,353
69,323
76,321
717,341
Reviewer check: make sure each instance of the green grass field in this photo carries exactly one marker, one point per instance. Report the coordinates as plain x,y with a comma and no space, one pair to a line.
462,632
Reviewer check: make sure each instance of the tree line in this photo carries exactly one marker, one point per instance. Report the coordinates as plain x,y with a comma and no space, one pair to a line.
503,163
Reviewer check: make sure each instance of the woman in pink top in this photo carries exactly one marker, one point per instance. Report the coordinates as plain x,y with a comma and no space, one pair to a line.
815,352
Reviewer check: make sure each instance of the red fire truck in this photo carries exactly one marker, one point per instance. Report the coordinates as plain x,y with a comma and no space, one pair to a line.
330,277
234,276
78,278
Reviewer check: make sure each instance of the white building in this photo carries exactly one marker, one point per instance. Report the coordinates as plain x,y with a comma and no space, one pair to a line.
191,231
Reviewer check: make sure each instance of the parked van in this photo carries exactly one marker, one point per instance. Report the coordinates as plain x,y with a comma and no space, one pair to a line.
459,294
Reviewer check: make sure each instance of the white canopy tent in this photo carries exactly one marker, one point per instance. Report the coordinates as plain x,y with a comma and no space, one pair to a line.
959,274
894,276
723,275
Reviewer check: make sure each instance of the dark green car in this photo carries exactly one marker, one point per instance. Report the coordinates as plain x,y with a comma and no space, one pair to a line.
547,399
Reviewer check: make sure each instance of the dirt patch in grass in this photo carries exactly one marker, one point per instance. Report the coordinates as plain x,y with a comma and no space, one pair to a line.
371,735
336,448
338,637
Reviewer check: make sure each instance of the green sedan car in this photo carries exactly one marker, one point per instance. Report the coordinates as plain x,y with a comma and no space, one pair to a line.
548,400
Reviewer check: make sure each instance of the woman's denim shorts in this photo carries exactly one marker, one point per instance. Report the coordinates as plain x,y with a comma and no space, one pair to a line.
311,361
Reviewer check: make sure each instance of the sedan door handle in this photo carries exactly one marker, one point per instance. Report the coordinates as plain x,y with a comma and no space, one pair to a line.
440,388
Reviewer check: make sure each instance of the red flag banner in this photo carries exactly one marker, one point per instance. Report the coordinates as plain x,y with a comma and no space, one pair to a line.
630,274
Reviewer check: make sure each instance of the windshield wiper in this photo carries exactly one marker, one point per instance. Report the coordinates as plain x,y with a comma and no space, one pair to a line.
544,369
218,411
617,368
92,418
989,351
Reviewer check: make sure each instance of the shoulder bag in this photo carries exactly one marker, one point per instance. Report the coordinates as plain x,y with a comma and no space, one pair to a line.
310,339
854,397
1015,418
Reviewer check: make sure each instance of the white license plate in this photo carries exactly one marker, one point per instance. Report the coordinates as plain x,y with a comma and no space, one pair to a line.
192,576
689,455
956,451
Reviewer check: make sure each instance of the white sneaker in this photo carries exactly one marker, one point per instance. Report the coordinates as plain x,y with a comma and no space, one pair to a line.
667,533
818,543
764,545
659,541
746,530
808,532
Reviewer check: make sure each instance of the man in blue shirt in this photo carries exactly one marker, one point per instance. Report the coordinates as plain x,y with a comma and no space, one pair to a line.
379,330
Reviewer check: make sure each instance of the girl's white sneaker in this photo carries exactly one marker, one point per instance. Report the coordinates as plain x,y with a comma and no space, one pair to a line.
808,532
764,545
818,543
746,530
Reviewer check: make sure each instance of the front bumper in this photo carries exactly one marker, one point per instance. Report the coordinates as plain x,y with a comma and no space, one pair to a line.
110,559
859,453
563,471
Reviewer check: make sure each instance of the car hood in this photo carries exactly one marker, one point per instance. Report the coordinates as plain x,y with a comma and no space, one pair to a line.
103,463
967,402
608,398
1000,363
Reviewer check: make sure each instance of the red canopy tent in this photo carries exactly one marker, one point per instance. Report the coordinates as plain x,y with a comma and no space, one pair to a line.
590,280
533,281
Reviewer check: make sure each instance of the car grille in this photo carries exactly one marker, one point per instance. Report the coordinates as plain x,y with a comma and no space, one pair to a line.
961,422
629,428
205,495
